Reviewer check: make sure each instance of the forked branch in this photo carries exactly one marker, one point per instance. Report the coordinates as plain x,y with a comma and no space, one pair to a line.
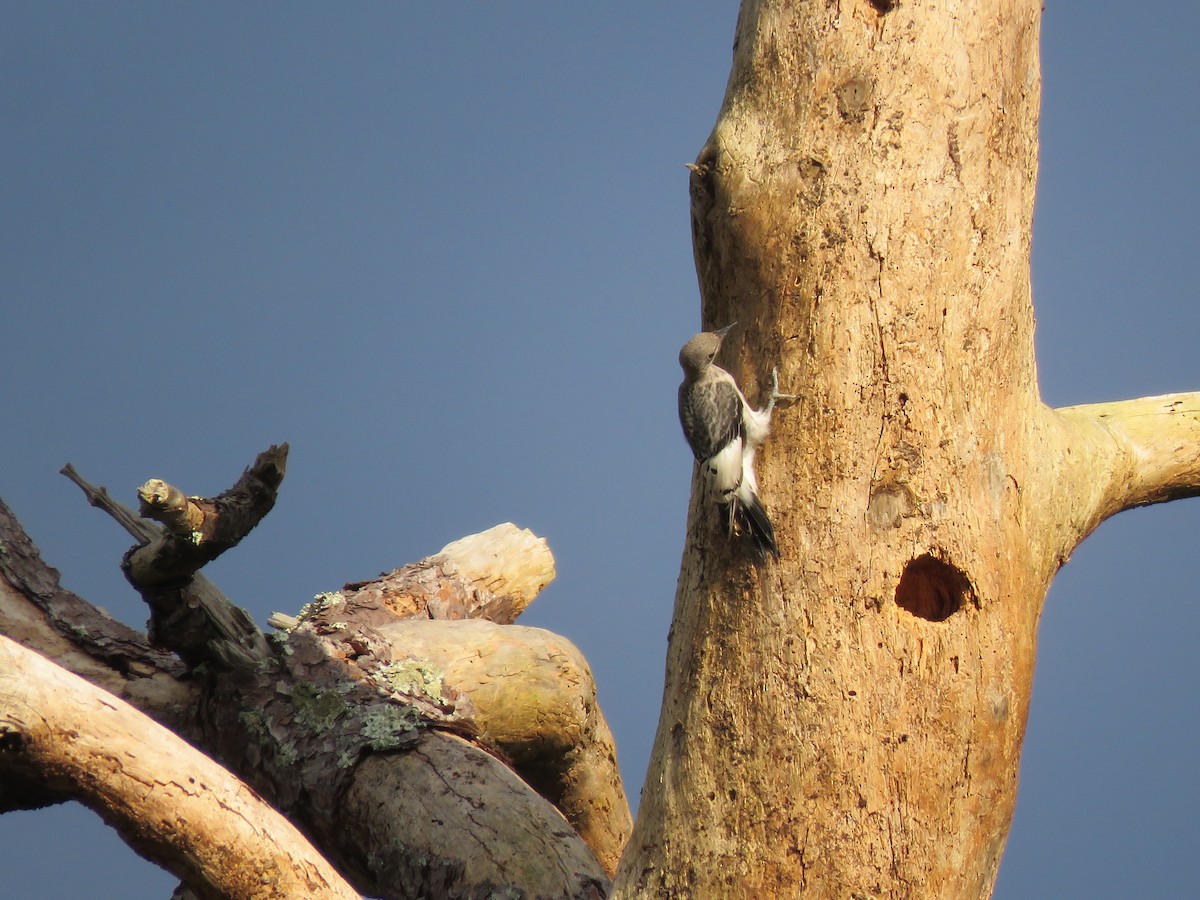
187,613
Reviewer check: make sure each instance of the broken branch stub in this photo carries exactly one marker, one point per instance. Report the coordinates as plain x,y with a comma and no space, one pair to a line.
492,575
198,529
187,613
180,514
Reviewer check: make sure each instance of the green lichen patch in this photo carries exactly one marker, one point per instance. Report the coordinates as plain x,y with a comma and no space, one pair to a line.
317,710
287,754
252,720
414,677
390,727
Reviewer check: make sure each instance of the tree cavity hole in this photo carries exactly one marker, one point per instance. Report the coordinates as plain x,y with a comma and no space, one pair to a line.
933,589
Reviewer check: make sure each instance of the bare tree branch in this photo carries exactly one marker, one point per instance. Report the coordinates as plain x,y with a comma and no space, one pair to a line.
168,800
1131,453
98,497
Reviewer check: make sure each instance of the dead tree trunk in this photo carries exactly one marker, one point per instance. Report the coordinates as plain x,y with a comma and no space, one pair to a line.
848,722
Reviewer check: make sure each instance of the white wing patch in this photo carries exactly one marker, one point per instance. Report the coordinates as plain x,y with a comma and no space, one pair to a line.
723,472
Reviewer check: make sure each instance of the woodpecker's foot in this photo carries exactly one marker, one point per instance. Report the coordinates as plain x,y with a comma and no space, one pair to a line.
775,395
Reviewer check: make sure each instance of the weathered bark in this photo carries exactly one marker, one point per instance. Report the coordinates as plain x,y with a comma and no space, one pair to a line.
167,799
848,723
522,691
470,829
38,613
534,700
340,712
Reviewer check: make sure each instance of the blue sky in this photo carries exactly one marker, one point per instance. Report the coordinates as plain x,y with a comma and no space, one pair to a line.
444,252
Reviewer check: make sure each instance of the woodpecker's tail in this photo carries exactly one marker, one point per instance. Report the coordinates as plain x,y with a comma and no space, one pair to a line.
753,518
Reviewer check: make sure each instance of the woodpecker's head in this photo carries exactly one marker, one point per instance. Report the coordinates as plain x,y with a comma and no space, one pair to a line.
698,353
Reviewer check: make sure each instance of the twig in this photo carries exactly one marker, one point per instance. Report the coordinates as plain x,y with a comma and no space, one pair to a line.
143,531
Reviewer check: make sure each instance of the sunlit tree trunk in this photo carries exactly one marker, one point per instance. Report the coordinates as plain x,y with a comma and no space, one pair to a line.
848,722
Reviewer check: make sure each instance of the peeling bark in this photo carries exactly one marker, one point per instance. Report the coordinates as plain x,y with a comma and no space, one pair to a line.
492,575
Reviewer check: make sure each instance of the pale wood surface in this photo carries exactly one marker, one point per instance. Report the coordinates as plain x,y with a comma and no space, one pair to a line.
167,799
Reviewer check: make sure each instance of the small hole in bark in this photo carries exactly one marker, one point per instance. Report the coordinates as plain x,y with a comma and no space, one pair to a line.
11,739
933,589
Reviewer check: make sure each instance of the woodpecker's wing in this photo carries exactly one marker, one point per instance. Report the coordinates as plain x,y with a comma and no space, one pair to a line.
710,411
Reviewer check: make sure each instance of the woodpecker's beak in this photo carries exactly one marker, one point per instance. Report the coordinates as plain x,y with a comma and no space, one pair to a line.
724,331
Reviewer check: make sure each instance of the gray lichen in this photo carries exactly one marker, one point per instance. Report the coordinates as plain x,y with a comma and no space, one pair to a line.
390,727
320,603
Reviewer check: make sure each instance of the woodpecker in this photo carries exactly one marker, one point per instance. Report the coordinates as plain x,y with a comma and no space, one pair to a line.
724,432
